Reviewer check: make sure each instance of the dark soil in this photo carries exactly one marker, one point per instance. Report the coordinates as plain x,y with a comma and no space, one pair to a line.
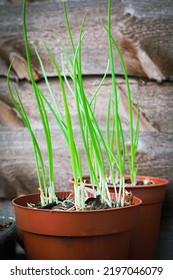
90,204
127,182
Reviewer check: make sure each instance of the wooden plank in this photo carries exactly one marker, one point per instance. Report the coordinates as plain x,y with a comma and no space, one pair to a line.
8,116
17,167
142,29
155,102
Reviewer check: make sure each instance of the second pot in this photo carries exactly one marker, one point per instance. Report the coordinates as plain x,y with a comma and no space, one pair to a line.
144,239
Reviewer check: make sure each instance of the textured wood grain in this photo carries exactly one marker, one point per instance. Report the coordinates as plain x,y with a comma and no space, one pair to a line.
8,116
17,164
140,28
155,100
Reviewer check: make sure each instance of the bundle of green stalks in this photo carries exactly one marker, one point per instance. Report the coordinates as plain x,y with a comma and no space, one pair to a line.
99,150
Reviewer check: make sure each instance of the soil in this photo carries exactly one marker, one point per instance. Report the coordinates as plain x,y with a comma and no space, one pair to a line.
127,182
90,204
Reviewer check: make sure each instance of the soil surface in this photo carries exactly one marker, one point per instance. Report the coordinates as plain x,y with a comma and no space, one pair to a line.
127,182
92,203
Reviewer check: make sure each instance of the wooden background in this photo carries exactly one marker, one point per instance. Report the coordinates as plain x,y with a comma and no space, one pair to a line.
144,32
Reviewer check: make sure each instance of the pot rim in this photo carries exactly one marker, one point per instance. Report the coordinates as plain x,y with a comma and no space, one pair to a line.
74,223
158,181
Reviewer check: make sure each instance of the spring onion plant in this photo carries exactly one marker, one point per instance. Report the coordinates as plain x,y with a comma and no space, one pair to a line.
117,131
99,150
47,194
92,137
90,131
134,133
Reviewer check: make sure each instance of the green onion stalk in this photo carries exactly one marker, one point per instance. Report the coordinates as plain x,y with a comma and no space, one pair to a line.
87,121
98,150
134,132
40,168
66,127
120,144
117,131
91,133
111,142
47,194
42,111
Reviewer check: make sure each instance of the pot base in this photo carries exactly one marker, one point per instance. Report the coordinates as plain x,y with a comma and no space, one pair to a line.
76,248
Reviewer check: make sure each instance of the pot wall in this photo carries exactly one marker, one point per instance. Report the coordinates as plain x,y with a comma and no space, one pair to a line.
50,234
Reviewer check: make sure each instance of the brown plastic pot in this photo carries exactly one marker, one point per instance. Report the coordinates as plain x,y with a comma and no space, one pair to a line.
144,239
90,234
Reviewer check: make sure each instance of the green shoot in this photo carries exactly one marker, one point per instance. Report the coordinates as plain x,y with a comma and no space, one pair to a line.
47,195
134,133
41,109
37,153
98,149
118,130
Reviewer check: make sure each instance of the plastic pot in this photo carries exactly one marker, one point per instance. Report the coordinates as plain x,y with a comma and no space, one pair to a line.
144,239
89,234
